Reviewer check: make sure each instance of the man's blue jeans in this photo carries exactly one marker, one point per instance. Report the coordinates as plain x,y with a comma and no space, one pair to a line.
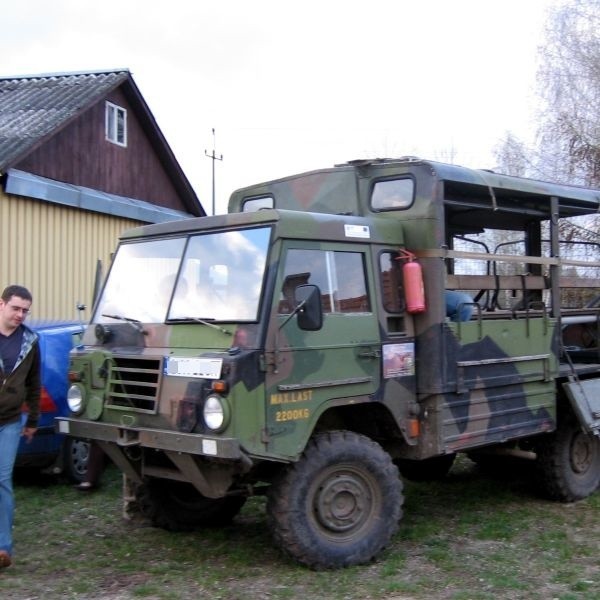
9,443
459,305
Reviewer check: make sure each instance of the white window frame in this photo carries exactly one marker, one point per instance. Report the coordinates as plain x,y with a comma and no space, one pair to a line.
113,113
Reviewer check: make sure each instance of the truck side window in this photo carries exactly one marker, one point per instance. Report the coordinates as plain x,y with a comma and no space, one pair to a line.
393,194
258,203
390,271
339,275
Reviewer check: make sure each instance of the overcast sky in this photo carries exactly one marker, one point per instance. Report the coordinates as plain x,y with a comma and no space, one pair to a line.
294,86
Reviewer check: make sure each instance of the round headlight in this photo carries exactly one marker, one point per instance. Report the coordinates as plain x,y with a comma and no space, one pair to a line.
75,399
214,413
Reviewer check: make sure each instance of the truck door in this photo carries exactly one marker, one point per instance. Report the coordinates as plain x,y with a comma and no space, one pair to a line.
336,365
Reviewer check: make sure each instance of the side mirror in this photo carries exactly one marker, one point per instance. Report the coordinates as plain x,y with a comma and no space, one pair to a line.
308,302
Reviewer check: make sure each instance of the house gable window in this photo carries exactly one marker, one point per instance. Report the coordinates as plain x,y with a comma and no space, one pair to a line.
116,124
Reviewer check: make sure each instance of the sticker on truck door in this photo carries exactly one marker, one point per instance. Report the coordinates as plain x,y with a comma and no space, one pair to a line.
398,360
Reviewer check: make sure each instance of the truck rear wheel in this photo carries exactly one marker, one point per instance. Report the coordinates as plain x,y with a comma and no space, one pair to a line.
569,462
339,505
178,506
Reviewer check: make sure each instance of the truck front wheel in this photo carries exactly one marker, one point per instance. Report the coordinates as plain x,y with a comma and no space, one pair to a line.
569,462
178,506
339,505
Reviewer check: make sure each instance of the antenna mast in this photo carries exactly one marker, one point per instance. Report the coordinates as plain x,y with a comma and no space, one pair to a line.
213,157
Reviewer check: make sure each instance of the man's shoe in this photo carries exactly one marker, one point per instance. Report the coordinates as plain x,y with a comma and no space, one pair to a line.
85,486
5,559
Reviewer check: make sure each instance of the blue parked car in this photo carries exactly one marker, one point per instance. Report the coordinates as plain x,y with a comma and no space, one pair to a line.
54,452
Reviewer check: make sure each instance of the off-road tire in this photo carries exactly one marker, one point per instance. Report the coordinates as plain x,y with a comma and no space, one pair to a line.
568,461
76,453
339,505
178,506
428,469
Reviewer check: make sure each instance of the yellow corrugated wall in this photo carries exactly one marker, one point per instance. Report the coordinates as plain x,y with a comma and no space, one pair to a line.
53,251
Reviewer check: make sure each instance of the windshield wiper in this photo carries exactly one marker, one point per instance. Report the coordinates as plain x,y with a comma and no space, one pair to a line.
204,322
135,323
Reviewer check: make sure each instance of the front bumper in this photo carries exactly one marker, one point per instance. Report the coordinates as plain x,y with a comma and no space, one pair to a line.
169,441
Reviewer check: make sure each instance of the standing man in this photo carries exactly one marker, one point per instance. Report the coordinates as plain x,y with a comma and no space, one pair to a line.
19,383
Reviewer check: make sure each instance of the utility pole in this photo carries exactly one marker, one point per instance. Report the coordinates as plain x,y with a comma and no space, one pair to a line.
213,157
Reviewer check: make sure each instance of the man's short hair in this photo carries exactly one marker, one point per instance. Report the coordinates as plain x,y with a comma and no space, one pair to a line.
16,290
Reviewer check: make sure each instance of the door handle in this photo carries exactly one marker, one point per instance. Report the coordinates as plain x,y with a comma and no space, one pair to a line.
370,353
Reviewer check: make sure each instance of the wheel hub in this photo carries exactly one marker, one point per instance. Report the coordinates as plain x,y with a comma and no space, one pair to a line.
343,503
79,456
581,453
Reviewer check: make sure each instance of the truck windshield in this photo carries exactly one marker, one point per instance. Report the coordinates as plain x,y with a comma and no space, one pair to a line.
210,276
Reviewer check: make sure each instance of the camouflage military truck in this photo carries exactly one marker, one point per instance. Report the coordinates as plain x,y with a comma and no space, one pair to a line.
311,345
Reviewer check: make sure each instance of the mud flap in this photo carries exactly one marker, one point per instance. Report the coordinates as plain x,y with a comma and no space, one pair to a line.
585,400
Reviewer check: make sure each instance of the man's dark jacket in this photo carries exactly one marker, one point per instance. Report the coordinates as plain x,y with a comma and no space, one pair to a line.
23,384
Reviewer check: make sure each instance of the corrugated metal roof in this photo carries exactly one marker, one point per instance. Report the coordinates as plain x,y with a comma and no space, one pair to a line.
33,107
20,183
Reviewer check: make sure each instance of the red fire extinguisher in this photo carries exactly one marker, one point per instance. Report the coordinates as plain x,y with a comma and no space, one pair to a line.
414,290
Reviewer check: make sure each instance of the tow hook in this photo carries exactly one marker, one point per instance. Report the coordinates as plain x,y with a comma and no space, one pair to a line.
127,437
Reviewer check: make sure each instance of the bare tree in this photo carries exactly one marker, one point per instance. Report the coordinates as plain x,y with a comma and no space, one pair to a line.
567,145
569,85
513,156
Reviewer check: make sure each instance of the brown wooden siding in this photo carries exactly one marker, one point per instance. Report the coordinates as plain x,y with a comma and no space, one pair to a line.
53,251
80,154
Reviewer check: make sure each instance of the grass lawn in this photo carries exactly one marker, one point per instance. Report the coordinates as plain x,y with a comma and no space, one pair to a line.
472,536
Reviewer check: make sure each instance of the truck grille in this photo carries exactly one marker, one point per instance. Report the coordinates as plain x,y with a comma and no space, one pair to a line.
134,383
